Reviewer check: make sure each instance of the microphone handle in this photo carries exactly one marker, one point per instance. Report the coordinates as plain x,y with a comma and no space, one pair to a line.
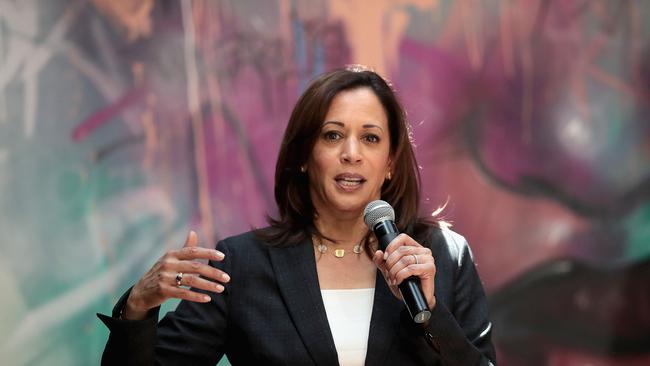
416,304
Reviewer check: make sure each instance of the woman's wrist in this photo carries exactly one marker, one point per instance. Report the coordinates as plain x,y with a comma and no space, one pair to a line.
131,312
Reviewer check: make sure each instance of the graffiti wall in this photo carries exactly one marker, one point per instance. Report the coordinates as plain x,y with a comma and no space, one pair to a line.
124,123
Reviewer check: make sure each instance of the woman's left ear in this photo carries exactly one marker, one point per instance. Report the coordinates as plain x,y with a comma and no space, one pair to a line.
389,175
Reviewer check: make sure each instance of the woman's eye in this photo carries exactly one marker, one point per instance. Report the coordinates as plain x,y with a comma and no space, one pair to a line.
331,135
372,138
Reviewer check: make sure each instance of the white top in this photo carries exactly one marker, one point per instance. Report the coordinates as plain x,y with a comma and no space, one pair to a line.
348,312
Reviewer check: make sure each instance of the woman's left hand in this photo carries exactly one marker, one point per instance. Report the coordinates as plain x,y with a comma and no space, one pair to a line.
403,258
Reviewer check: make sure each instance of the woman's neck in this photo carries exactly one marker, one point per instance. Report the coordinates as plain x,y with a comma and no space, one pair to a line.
344,231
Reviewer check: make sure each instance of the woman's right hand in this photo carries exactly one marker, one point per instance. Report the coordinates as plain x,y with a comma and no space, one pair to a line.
159,283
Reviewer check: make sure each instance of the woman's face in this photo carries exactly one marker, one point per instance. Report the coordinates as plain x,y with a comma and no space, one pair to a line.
351,157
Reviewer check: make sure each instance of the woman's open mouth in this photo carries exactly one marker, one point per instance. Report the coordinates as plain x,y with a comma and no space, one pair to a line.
349,182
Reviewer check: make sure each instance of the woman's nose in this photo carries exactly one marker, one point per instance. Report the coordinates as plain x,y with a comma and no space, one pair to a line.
351,153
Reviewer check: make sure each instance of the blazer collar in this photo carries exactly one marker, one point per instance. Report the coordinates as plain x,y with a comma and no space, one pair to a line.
384,322
295,270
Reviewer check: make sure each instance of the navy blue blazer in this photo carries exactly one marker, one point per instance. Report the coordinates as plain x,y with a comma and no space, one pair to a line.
272,313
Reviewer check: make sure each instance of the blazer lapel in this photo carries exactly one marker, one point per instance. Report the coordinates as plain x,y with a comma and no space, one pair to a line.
295,271
384,322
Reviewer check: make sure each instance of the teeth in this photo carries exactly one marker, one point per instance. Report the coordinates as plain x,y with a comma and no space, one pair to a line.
350,181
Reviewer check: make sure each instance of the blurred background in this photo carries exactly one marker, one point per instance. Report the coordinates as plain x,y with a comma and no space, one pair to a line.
124,123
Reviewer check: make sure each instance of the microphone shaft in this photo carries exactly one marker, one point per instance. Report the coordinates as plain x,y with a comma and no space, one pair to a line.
386,231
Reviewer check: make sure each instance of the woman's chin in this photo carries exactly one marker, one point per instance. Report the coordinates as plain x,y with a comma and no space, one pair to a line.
345,204
348,208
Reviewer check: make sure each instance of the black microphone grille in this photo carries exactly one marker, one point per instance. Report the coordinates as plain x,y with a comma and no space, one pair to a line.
377,211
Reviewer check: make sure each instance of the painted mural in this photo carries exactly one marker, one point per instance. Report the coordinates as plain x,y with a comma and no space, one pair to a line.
124,123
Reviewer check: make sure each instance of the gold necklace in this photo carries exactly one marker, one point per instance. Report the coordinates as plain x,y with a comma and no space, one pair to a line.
338,253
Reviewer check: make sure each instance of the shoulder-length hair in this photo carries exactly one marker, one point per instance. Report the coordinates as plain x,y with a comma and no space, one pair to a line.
295,208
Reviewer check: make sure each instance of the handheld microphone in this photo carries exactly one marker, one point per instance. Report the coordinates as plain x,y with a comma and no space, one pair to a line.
379,216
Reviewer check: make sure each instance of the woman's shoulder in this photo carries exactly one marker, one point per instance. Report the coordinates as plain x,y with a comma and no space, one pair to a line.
248,240
450,243
266,238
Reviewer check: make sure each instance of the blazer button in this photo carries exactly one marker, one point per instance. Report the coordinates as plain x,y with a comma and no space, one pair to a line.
431,340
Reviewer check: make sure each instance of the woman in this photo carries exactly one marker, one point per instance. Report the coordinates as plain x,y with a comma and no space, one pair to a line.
307,289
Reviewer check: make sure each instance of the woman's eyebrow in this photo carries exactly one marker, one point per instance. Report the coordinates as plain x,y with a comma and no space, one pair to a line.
366,126
370,125
340,124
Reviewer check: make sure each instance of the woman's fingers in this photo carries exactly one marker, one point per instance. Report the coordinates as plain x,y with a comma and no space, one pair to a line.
185,294
195,281
415,262
402,244
205,270
181,266
193,252
404,255
378,258
404,258
423,271
192,239
405,251
161,281
171,288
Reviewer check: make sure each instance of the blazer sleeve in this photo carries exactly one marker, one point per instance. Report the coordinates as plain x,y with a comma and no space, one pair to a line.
193,334
130,342
462,335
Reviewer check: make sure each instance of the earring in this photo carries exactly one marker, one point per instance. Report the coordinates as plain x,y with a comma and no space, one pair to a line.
303,169
389,176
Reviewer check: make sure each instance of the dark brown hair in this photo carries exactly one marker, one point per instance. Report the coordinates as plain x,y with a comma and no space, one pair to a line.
295,208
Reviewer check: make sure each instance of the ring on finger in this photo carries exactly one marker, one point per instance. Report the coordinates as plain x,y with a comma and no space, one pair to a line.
179,278
416,258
